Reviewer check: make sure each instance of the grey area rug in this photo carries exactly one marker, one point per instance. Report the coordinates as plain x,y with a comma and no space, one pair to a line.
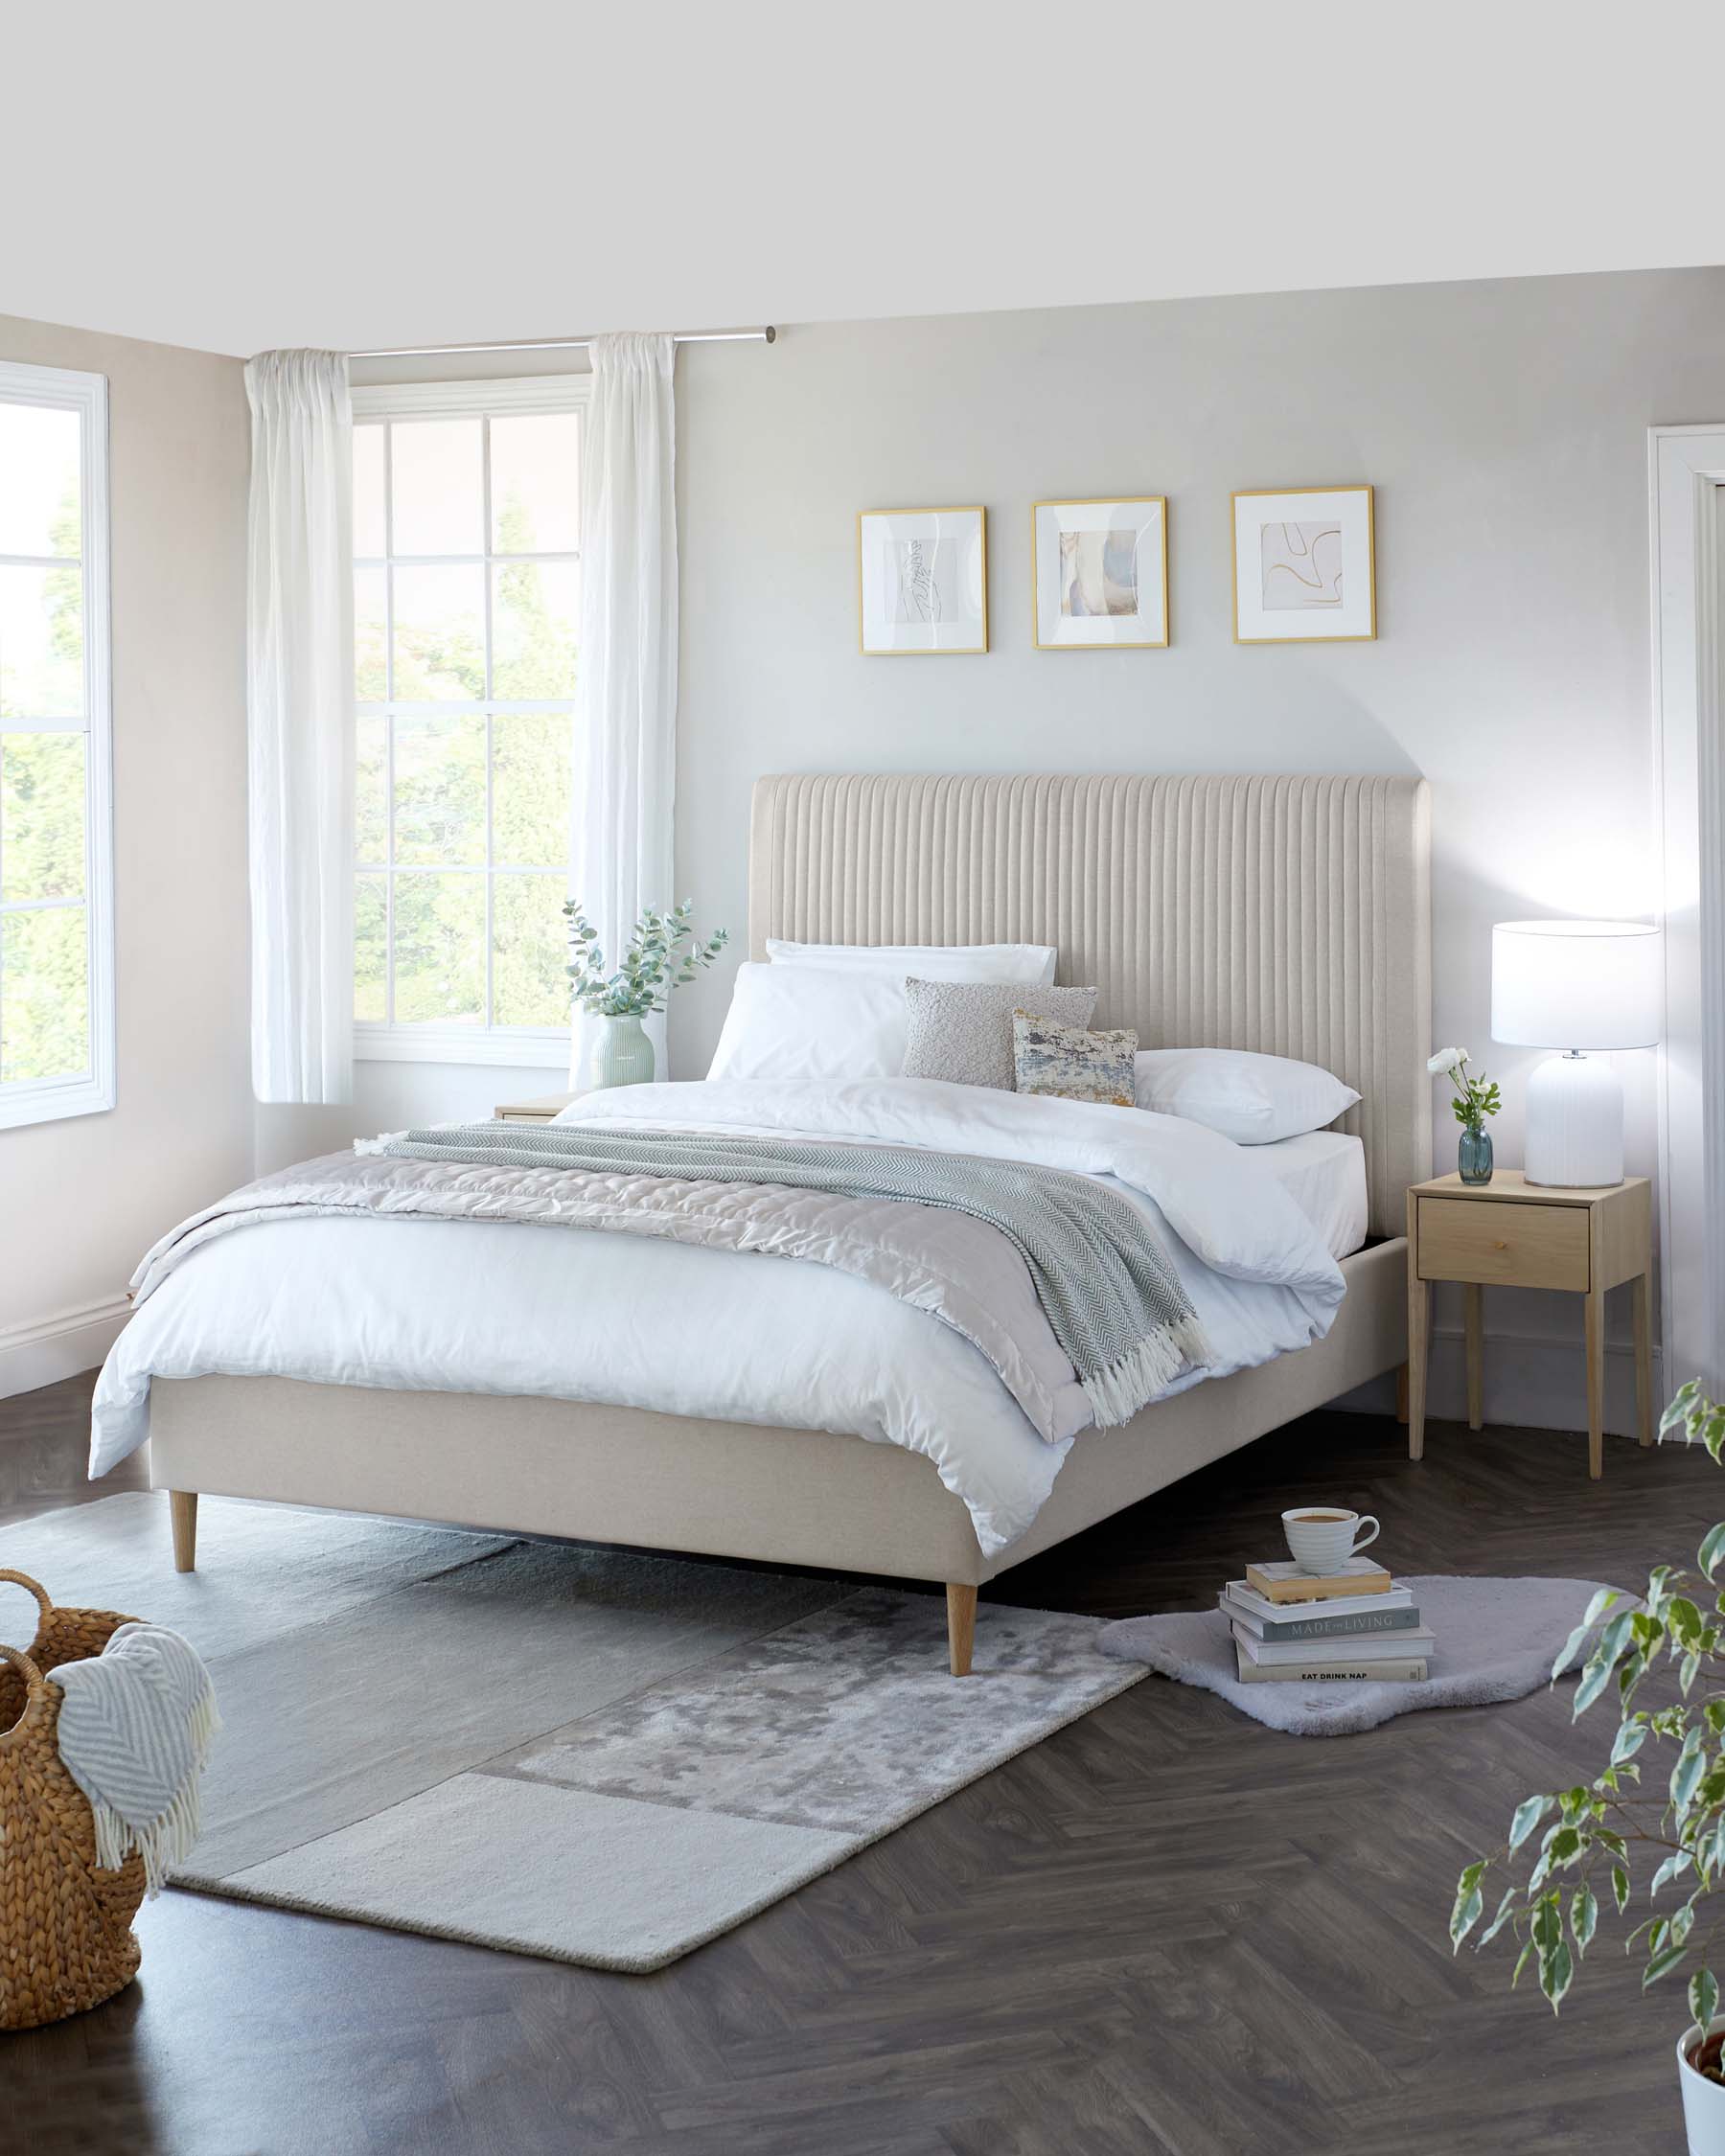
594,1756
1497,1639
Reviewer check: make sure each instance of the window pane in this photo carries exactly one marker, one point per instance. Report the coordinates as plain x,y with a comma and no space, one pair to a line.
533,629
439,950
440,790
371,791
436,498
536,483
370,536
439,635
371,948
44,995
41,643
530,788
530,948
38,480
41,815
371,633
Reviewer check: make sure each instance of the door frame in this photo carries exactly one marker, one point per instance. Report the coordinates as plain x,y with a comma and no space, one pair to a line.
1685,468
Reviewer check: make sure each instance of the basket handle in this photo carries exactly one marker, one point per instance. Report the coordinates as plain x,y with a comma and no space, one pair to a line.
36,1695
32,1585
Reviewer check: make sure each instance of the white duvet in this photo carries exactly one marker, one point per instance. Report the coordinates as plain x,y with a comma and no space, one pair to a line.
470,1306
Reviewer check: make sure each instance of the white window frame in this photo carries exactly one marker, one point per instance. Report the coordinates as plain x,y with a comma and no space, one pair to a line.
522,1046
46,1100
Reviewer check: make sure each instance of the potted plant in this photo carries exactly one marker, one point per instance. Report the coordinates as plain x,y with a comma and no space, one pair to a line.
1595,1834
664,953
1472,1100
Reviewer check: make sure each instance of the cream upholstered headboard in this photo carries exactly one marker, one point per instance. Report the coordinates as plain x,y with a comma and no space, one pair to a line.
1288,914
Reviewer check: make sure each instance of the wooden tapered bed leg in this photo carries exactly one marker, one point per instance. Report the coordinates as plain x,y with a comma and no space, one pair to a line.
182,1510
961,1626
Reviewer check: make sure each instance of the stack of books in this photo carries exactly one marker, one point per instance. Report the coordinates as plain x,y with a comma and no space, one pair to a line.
1292,1628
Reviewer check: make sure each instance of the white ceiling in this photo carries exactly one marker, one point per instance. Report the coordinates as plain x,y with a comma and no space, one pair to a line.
234,175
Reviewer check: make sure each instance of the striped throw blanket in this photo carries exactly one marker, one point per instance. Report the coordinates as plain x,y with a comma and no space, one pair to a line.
1111,1298
134,1732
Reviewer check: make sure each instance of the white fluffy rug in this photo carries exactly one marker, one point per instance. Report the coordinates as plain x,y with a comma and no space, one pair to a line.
1497,1639
588,1755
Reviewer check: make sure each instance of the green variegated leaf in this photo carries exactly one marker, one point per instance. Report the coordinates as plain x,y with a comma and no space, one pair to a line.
1527,1816
1584,1917
1661,1965
1711,1549
1619,1887
1593,1680
1704,1998
1469,1901
1505,1909
1630,1737
1548,1922
1521,1963
1678,1409
1557,1973
1669,1870
1686,1775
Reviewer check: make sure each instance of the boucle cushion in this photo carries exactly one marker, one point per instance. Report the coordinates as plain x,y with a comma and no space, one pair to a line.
1070,1064
961,1031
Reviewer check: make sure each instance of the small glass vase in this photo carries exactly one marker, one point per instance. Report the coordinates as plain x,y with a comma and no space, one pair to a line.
621,1053
1473,1155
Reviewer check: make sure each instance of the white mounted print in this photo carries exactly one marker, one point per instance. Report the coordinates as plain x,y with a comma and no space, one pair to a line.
922,580
1101,573
1303,566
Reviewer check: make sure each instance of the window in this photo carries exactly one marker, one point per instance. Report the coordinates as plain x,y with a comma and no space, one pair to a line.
56,991
467,548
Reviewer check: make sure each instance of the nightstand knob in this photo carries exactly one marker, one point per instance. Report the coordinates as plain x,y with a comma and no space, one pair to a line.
1500,1246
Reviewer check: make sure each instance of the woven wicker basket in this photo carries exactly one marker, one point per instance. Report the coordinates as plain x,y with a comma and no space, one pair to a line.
65,1924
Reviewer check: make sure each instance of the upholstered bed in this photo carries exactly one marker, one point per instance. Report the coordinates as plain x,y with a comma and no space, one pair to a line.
1281,914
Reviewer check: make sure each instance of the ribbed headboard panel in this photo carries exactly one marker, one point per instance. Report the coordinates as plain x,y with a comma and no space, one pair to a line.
1289,914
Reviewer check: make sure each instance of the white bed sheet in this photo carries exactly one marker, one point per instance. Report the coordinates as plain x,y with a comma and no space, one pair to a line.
504,1308
1324,1174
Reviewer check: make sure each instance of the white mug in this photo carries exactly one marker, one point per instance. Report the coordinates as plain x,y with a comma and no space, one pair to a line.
1322,1537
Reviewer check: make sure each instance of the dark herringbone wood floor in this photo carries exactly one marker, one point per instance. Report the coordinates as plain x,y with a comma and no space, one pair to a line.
1164,1931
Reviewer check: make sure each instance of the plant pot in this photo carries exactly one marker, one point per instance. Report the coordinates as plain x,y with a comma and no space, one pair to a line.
620,1054
1703,2101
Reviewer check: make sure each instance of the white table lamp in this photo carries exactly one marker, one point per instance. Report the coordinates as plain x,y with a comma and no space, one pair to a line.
1575,985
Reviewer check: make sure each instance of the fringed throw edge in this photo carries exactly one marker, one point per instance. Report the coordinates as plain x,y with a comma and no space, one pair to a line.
1145,1371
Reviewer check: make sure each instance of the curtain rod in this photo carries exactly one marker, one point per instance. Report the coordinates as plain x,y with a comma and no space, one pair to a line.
767,335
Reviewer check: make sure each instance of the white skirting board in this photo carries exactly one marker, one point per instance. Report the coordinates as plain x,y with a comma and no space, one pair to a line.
47,1349
1532,1382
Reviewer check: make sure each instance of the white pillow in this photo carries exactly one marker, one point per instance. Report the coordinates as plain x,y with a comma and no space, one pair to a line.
1032,964
1253,1099
809,1022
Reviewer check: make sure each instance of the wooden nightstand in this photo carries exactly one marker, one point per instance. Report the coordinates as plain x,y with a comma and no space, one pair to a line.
539,1111
1510,1232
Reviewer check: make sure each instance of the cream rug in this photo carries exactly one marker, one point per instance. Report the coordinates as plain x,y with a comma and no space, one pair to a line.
575,1752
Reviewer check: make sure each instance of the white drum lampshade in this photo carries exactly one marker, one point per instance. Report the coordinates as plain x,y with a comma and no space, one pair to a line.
1575,985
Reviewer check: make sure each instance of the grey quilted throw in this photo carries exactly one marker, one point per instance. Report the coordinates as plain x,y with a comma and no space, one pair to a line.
1111,1297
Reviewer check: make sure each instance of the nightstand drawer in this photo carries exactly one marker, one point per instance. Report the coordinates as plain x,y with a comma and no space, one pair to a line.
1533,1245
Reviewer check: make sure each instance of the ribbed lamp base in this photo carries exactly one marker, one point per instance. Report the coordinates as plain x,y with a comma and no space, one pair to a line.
1575,1124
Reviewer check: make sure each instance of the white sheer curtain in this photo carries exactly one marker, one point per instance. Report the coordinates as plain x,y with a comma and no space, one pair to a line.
621,853
300,725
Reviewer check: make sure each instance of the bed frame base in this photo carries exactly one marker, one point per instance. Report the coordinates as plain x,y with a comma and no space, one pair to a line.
798,1498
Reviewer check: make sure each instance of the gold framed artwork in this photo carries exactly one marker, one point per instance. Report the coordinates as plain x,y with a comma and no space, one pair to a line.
1101,573
922,582
1303,566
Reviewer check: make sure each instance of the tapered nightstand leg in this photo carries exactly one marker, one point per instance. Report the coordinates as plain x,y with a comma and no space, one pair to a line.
1642,1304
1473,1308
1595,1383
1419,1320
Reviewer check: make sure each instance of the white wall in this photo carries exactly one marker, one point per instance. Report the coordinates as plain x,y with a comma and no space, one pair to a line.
1503,427
81,1200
